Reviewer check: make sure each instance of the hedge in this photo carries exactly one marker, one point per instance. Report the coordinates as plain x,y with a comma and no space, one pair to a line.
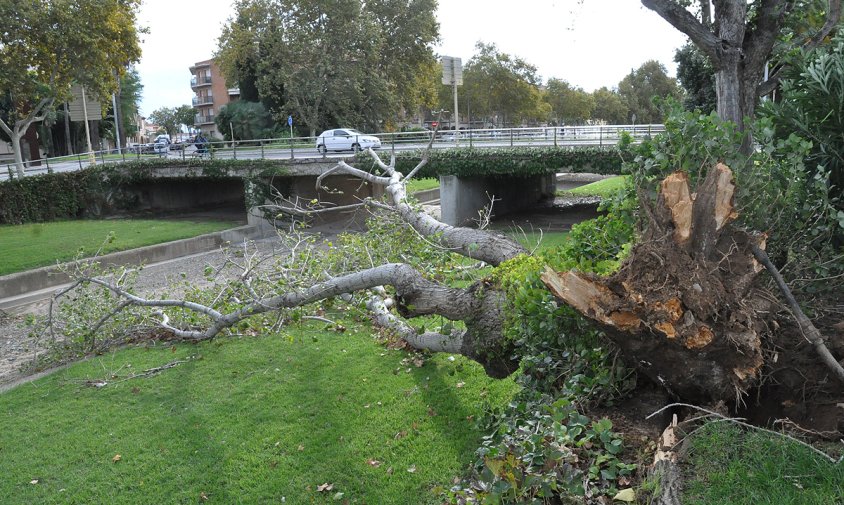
517,161
70,195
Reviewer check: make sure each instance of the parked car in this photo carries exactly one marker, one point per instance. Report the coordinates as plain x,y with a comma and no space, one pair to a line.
161,144
346,139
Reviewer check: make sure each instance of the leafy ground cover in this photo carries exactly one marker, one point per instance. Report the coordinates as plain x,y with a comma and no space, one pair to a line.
729,465
34,245
604,187
308,416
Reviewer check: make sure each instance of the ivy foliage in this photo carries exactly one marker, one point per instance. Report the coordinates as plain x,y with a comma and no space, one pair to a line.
542,448
516,161
93,190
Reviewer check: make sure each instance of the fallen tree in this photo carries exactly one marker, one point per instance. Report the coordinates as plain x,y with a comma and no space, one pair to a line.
684,308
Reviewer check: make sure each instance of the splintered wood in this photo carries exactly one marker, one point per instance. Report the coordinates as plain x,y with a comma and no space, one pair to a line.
674,308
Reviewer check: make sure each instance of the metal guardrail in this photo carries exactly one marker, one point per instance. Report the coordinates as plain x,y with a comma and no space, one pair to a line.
305,147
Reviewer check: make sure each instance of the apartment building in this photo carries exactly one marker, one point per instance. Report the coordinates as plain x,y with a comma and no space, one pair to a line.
210,94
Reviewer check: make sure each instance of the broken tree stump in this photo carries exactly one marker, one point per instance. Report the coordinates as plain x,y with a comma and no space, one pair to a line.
679,307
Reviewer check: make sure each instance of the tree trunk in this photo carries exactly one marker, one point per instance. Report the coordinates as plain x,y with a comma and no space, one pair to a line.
16,137
681,307
68,141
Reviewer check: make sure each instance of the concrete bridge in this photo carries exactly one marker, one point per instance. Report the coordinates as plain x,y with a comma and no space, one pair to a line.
461,198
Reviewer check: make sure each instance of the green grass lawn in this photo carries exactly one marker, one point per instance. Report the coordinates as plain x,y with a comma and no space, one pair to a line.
603,188
415,185
533,239
729,465
249,420
34,245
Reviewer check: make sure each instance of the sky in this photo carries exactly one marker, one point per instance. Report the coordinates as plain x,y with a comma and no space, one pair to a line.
589,43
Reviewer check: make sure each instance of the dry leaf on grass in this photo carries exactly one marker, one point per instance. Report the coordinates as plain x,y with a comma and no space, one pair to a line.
325,487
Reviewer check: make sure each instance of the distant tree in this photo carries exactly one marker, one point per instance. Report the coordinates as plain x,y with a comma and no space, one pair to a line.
503,88
696,75
185,115
165,117
128,98
249,120
609,107
641,85
332,62
48,45
569,104
128,101
171,119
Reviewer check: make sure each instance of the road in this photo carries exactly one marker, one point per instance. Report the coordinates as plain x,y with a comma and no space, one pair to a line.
277,152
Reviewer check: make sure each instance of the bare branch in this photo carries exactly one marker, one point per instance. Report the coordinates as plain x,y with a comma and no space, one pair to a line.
683,20
812,334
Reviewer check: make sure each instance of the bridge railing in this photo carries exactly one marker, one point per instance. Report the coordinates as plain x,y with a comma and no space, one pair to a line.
305,147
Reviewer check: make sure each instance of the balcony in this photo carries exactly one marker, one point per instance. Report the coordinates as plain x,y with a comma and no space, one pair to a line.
202,100
202,80
201,119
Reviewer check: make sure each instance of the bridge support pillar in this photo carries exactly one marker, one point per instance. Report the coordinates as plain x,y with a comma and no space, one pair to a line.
462,198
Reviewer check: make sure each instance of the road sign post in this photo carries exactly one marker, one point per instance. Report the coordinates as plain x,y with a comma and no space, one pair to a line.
290,124
453,75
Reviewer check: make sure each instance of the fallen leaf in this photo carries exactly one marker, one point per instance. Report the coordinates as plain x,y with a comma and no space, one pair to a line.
373,462
431,412
34,481
116,458
412,469
626,495
390,471
338,496
203,496
301,447
325,487
418,363
400,435
461,384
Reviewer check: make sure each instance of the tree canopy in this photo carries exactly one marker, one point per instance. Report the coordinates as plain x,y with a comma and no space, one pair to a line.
333,62
609,106
503,88
569,104
641,85
172,118
46,46
248,120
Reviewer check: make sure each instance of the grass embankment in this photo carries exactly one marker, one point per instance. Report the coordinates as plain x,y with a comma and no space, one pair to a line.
728,465
425,184
251,420
602,188
35,245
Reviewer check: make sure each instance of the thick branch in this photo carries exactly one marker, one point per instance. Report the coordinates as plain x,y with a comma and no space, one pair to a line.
683,20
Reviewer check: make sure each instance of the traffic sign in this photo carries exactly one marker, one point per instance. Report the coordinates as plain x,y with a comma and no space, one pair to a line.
452,70
289,120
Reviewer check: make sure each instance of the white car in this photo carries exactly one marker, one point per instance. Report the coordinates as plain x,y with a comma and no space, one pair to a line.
346,139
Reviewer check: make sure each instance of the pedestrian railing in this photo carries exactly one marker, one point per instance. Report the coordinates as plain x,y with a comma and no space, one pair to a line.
305,147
